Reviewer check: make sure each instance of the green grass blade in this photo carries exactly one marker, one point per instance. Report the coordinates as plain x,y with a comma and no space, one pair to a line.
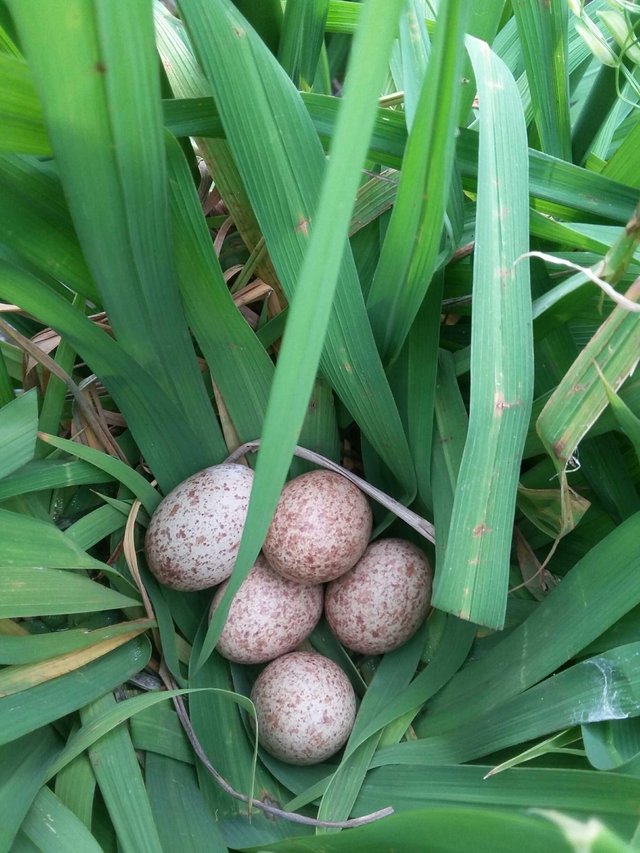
601,688
43,474
309,314
301,39
32,591
24,712
14,679
120,781
180,811
20,111
31,542
22,765
612,743
282,168
543,31
117,469
75,786
552,182
608,796
95,526
33,212
628,422
51,826
481,831
581,396
392,676
95,68
554,633
18,428
187,80
472,581
159,427
240,366
412,241
31,648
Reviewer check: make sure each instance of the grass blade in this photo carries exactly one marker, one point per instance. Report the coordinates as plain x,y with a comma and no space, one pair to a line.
18,428
408,258
95,67
120,781
51,826
472,581
282,168
309,314
543,31
22,765
33,591
554,633
158,425
24,712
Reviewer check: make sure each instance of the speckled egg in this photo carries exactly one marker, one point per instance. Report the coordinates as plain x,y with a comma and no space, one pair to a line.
320,528
383,600
269,615
305,706
194,534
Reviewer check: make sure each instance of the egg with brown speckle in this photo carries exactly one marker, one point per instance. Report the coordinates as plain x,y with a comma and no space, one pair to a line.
305,706
193,537
269,615
383,600
320,528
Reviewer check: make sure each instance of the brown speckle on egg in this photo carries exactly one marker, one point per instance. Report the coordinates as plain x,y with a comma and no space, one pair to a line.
305,707
269,615
383,600
320,528
194,534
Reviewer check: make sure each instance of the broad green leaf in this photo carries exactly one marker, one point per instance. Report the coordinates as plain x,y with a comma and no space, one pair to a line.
472,581
157,729
96,525
33,590
18,427
33,212
24,712
51,826
553,184
187,79
120,781
392,677
239,364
